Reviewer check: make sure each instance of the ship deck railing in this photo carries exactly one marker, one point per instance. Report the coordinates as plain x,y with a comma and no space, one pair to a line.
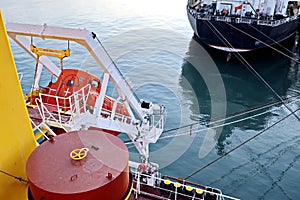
117,116
41,132
63,114
62,111
38,128
154,186
48,115
268,21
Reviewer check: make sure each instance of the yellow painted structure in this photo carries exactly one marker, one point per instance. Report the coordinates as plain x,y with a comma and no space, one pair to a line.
17,140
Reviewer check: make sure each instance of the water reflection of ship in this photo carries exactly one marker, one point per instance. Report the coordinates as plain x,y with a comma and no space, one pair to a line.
243,90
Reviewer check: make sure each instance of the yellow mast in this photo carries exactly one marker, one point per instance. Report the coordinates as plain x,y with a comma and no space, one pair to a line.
17,140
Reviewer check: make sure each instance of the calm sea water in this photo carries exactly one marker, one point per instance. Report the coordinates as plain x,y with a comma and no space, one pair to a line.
152,44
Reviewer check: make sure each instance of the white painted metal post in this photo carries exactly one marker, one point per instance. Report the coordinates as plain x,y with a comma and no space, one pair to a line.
37,76
100,98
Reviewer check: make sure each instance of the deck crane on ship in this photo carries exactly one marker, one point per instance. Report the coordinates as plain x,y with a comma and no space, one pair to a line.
145,121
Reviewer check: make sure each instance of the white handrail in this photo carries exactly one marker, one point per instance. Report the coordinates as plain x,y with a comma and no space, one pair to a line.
37,127
121,117
71,103
215,191
79,97
266,22
42,108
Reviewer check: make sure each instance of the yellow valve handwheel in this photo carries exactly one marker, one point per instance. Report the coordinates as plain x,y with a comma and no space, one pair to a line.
79,154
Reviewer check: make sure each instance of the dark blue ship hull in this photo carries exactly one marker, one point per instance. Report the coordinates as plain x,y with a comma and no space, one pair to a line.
233,35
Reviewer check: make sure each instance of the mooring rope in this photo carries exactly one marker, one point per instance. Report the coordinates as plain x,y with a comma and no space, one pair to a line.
294,59
18,178
236,114
275,42
240,145
193,128
115,64
252,70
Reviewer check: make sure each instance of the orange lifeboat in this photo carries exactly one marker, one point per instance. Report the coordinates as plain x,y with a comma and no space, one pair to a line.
57,96
72,80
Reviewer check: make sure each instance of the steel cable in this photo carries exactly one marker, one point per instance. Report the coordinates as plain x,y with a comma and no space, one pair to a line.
240,145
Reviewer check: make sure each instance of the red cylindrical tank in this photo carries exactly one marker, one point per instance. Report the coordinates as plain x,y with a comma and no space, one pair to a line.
102,174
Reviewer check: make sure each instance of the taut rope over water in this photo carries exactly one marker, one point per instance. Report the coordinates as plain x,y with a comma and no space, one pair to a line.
242,144
251,69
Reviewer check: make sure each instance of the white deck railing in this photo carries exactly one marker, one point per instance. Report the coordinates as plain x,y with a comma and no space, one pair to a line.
62,110
142,179
239,19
